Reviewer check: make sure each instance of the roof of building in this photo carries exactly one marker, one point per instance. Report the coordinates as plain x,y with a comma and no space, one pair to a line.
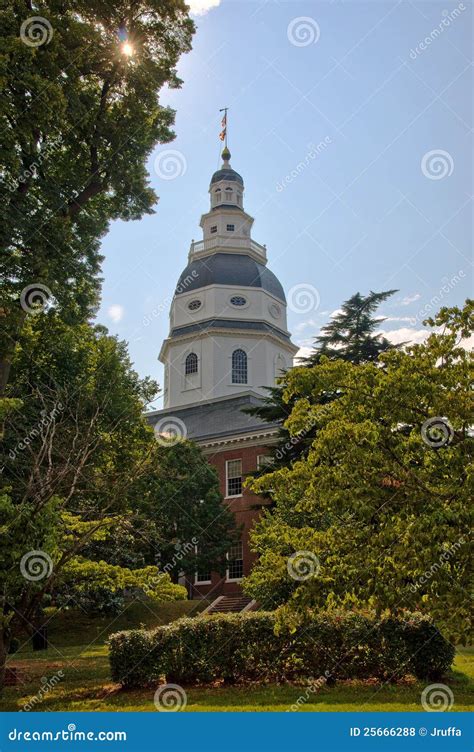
236,269
202,326
227,173
216,419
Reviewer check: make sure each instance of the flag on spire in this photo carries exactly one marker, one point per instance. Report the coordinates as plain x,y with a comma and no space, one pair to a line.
223,133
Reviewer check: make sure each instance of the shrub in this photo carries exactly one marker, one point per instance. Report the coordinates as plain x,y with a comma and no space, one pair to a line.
244,647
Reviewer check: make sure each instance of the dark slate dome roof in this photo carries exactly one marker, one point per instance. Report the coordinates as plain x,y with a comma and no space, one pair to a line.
228,269
227,173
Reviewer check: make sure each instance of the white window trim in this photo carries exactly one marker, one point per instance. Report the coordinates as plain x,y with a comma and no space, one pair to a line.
200,582
234,579
232,496
260,464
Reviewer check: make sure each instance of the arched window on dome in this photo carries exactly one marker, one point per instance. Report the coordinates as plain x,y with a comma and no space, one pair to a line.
217,196
239,367
228,195
191,364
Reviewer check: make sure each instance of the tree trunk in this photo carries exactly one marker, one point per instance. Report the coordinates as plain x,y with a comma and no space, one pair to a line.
5,639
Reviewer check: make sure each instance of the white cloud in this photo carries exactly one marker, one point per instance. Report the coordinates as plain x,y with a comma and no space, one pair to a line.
406,319
410,299
115,312
405,334
336,312
310,324
200,7
303,352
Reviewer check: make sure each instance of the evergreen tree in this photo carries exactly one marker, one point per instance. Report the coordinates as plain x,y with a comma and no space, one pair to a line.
350,336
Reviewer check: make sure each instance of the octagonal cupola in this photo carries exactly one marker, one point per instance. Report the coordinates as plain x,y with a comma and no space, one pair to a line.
227,186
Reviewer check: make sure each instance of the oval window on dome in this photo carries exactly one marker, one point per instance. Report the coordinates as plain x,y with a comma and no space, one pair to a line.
194,305
238,300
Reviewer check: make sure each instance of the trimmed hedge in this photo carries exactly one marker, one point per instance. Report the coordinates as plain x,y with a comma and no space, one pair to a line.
244,647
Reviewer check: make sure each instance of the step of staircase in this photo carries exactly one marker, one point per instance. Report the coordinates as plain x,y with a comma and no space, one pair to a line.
230,603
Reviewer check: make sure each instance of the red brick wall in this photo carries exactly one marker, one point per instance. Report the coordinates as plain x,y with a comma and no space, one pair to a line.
244,512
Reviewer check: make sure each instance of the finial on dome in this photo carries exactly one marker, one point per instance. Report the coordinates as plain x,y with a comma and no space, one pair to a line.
226,155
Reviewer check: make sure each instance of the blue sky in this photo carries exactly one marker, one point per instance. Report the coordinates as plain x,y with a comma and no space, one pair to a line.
384,201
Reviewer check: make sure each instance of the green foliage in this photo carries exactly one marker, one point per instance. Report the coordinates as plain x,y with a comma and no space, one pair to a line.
384,511
246,647
79,120
350,336
179,507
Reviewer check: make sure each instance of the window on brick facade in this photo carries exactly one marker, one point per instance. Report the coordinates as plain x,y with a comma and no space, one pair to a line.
235,562
202,576
233,477
263,460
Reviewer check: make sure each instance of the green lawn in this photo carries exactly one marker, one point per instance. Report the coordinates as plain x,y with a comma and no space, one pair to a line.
87,686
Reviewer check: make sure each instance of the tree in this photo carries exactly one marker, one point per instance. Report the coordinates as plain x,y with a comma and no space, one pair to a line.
350,336
351,333
377,514
181,514
76,442
80,115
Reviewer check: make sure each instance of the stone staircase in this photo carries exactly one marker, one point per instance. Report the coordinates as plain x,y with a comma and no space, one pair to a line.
230,603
